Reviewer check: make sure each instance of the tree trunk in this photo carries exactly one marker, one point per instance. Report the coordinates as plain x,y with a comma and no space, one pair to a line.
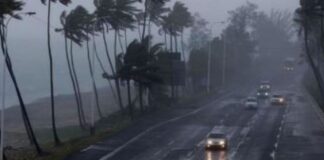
114,73
176,43
145,18
140,92
120,43
73,83
120,100
126,43
56,138
171,41
94,86
107,51
103,69
182,47
24,113
165,40
171,61
139,30
77,83
129,95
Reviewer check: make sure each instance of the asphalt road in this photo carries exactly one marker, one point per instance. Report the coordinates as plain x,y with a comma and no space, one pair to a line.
269,133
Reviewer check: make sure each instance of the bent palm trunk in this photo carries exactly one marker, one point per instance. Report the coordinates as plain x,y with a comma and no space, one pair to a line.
56,138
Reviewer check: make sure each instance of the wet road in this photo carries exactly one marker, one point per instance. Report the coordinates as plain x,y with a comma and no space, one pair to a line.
271,132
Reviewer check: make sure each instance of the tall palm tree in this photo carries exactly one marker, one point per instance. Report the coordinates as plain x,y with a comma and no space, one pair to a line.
104,12
118,15
65,2
80,23
63,19
183,19
147,4
139,64
156,13
9,7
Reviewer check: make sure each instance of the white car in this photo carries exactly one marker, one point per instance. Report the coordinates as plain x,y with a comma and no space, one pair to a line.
278,99
251,103
216,141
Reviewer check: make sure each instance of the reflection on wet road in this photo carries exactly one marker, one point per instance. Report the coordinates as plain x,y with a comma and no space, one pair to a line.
216,155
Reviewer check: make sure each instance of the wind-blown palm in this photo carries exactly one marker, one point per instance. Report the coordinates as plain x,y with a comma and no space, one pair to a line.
115,14
9,7
147,4
139,64
156,13
64,2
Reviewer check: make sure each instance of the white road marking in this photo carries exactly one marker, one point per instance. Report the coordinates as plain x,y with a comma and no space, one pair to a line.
171,142
95,147
273,155
110,154
157,153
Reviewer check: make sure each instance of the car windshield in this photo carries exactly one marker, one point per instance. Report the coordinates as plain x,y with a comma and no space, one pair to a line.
151,79
251,99
216,136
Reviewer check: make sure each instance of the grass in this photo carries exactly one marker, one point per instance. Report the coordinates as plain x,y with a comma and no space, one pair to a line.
105,128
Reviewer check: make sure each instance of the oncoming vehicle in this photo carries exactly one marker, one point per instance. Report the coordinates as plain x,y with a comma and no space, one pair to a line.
216,141
265,85
263,93
289,64
251,103
278,99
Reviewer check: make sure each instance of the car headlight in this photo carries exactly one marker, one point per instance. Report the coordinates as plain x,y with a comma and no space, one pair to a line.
281,100
209,142
258,94
266,93
222,142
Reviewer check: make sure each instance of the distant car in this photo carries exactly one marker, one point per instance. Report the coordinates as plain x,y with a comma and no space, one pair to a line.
289,64
216,141
278,99
263,93
265,85
251,103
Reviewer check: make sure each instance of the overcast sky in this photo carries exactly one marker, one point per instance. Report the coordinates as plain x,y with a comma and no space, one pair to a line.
212,10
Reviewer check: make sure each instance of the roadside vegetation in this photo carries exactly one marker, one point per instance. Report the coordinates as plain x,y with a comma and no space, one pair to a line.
310,18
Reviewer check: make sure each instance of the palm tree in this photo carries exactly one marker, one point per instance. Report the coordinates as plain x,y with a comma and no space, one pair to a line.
147,4
65,29
117,14
65,2
139,64
104,12
80,23
183,19
156,13
8,7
